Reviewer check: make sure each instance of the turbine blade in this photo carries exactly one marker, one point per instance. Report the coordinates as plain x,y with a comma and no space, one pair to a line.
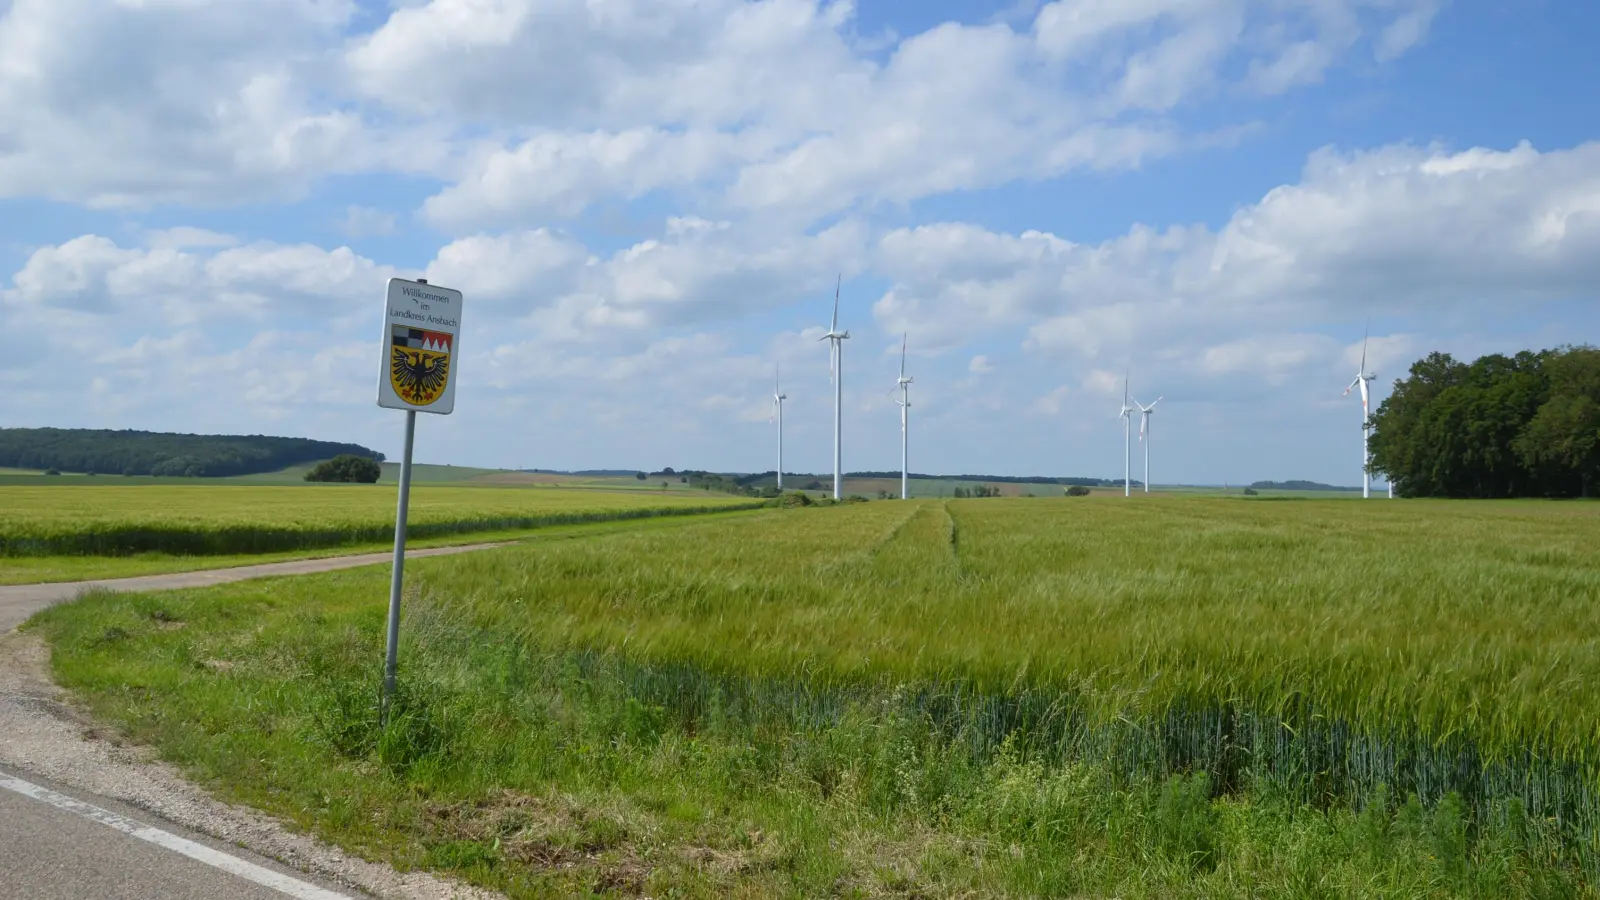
903,336
1364,337
836,286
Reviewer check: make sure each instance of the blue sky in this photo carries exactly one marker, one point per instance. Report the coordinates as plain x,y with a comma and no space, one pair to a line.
646,205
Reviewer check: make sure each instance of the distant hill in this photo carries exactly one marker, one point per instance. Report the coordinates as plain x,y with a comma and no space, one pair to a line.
1299,486
155,453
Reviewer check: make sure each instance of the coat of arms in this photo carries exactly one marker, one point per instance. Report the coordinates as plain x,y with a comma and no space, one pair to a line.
419,364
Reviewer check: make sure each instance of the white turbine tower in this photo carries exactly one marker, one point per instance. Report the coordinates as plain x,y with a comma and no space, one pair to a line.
836,339
1363,379
905,404
778,396
1144,437
1127,440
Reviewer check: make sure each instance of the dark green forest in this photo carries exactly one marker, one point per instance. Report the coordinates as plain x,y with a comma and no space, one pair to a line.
1500,426
153,453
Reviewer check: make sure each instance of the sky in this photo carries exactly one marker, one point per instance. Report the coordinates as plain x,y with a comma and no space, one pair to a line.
646,205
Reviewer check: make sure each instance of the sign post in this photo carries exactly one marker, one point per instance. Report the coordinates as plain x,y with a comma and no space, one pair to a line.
421,341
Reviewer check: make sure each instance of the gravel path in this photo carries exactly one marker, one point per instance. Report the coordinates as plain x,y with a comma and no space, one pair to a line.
19,601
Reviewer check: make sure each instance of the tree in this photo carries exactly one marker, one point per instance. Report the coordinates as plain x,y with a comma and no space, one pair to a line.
155,453
1077,490
640,475
1526,425
1563,439
347,467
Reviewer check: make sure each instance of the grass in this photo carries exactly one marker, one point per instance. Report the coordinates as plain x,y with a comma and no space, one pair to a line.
194,520
1179,697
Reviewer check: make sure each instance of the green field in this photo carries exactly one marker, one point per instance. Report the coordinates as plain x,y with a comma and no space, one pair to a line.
80,519
1190,696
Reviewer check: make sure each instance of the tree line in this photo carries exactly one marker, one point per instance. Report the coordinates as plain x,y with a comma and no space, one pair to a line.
1500,426
153,453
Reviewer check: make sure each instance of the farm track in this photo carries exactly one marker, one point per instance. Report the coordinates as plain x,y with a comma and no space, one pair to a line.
19,601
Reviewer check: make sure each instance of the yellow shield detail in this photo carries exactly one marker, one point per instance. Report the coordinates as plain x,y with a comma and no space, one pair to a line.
419,364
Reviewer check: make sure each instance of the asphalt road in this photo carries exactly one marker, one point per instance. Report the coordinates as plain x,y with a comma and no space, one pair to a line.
51,853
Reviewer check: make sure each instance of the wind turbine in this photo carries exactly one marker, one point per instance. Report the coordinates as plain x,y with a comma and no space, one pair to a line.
1363,378
905,404
1144,438
836,339
778,396
1127,440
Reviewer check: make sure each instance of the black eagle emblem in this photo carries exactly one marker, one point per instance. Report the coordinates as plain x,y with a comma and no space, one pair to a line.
419,365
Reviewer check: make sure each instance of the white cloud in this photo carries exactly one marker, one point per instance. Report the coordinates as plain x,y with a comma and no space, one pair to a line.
1392,231
203,101
516,269
980,365
561,174
619,100
210,281
1272,356
540,108
1405,32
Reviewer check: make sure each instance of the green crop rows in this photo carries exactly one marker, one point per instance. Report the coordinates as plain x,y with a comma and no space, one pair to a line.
109,520
1428,647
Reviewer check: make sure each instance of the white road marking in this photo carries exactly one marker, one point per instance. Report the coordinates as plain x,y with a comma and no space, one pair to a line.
200,852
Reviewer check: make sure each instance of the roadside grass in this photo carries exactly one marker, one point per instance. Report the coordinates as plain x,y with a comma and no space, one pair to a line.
988,697
16,570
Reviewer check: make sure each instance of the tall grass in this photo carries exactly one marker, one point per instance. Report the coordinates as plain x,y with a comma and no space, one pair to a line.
223,520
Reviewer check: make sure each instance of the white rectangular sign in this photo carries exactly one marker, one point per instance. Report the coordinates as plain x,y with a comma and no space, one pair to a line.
421,346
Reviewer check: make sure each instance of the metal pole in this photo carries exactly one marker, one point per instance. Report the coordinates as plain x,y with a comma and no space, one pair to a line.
838,420
396,578
780,446
1127,455
904,465
1147,433
1366,458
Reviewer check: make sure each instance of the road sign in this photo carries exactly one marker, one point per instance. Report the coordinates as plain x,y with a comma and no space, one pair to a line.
421,343
421,347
